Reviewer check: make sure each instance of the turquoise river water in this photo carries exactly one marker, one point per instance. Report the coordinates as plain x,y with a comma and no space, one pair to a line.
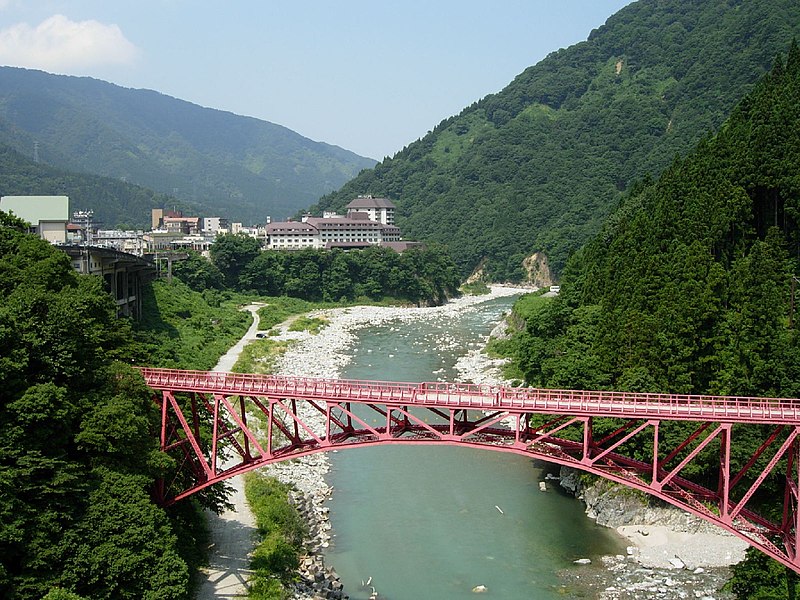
426,522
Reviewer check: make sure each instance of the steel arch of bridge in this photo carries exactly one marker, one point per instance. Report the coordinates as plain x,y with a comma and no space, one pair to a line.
301,416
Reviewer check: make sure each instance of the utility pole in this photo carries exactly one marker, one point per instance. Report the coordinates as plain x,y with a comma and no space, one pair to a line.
791,302
84,219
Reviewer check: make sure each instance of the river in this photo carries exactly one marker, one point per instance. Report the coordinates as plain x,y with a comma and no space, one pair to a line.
435,522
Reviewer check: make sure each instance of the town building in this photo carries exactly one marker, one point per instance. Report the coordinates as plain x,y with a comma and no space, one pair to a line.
346,230
48,215
198,242
92,253
369,222
123,274
157,216
292,235
257,232
131,242
181,225
214,225
377,209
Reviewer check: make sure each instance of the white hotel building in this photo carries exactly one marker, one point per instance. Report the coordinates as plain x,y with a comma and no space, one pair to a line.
369,222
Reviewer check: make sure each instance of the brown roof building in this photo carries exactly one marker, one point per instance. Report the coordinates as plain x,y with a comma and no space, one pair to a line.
331,231
378,209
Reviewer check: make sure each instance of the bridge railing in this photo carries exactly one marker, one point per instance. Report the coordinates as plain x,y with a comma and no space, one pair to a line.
737,408
278,384
479,396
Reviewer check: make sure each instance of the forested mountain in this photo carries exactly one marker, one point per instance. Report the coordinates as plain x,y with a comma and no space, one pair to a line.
114,202
235,166
539,165
688,288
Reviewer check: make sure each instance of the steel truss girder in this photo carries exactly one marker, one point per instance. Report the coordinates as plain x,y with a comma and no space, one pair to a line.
296,427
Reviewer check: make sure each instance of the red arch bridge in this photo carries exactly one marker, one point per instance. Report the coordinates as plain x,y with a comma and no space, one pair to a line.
218,425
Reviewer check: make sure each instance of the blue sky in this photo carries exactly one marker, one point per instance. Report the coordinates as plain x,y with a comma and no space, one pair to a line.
370,76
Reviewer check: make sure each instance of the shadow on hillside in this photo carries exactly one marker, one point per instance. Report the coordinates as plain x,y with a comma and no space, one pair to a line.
156,339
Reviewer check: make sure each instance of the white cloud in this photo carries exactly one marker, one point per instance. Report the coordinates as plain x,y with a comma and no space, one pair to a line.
64,46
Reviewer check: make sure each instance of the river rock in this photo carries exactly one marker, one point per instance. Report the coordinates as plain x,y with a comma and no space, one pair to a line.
570,480
677,563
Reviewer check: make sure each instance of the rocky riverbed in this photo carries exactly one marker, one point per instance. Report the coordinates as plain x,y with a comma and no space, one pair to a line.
324,355
671,554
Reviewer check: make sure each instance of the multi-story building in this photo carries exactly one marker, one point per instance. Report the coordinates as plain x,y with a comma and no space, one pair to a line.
333,231
292,235
124,241
370,225
48,215
214,224
182,225
157,216
378,209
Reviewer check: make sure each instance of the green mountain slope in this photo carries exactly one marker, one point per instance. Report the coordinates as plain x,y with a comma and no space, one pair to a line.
688,287
235,166
539,165
114,202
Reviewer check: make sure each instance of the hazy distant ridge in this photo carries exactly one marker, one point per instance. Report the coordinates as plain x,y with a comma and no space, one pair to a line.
240,166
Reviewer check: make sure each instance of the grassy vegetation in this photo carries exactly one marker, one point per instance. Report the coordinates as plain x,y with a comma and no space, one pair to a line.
259,356
476,288
280,308
184,329
280,527
524,308
282,530
311,324
531,303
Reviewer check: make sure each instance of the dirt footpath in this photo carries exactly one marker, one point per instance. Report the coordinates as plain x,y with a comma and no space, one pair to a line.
233,533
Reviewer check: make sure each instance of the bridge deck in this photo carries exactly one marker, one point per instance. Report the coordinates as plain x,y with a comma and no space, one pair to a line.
300,416
731,409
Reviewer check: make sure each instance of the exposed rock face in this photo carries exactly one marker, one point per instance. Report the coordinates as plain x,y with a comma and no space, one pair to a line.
613,505
537,270
479,274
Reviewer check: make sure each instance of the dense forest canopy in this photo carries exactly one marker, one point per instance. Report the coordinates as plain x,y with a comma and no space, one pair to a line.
78,455
539,165
238,167
422,275
685,285
687,288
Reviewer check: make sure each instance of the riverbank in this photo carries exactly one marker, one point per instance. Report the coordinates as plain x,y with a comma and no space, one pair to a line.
634,575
